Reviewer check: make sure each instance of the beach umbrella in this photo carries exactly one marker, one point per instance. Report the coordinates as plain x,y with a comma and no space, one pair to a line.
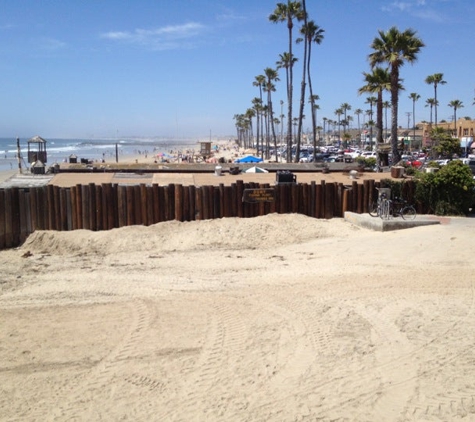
249,159
256,170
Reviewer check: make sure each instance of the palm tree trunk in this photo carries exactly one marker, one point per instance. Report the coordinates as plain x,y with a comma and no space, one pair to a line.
394,110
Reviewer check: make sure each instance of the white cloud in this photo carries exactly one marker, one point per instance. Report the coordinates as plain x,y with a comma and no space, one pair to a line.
164,38
423,9
51,44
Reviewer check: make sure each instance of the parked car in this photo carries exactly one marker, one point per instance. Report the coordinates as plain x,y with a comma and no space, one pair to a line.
412,162
471,164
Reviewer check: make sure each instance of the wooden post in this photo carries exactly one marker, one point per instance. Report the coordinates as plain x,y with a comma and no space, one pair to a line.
57,207
137,205
178,200
329,200
239,193
69,210
8,216
15,216
79,208
233,200
143,202
192,194
149,199
63,206
171,202
186,203
345,201
105,202
33,208
198,203
122,205
86,207
130,205
221,200
99,209
312,199
156,203
2,218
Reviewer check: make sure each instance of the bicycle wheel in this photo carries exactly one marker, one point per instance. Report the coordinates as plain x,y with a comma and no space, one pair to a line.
408,213
385,209
373,209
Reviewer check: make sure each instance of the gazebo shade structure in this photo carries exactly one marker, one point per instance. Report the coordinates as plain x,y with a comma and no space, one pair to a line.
37,150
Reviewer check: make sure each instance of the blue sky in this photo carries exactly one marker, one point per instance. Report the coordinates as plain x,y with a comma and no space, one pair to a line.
184,68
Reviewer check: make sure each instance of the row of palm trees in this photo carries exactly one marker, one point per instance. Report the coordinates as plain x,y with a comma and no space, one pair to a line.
391,49
311,33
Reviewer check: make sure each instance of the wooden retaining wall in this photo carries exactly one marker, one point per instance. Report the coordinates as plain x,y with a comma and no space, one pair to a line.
107,206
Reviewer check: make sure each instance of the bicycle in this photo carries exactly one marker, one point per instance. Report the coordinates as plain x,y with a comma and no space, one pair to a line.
400,207
380,207
376,207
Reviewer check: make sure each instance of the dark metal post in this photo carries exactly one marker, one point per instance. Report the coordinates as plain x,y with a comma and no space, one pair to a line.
18,154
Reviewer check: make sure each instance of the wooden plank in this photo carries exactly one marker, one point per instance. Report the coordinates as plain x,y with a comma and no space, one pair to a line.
57,207
156,203
63,206
69,208
122,205
137,205
8,218
2,219
329,200
130,198
178,200
144,204
33,209
15,216
85,203
198,203
149,199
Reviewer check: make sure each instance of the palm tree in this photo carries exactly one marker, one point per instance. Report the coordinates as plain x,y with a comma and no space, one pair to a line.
312,34
287,61
345,107
257,106
395,48
371,101
324,124
386,106
431,102
455,104
338,113
271,77
377,82
249,115
314,107
303,84
414,97
287,13
259,81
358,112
435,79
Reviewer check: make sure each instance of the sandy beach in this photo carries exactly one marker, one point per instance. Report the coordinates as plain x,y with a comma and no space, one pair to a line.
275,318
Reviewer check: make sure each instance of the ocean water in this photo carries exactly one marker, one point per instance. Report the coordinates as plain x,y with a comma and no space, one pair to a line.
59,150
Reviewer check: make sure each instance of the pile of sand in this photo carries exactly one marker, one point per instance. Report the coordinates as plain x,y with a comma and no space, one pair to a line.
275,318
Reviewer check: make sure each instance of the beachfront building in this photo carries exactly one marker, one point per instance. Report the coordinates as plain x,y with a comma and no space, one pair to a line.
463,129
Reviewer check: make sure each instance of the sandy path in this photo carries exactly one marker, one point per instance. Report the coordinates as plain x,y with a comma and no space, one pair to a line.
276,318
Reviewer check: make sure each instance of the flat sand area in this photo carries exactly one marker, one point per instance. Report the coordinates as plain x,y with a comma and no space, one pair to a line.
207,179
275,318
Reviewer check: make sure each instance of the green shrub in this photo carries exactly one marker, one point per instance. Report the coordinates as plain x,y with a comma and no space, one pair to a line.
433,164
450,191
366,162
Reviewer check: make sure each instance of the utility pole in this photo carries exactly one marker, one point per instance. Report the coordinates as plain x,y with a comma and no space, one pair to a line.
18,154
